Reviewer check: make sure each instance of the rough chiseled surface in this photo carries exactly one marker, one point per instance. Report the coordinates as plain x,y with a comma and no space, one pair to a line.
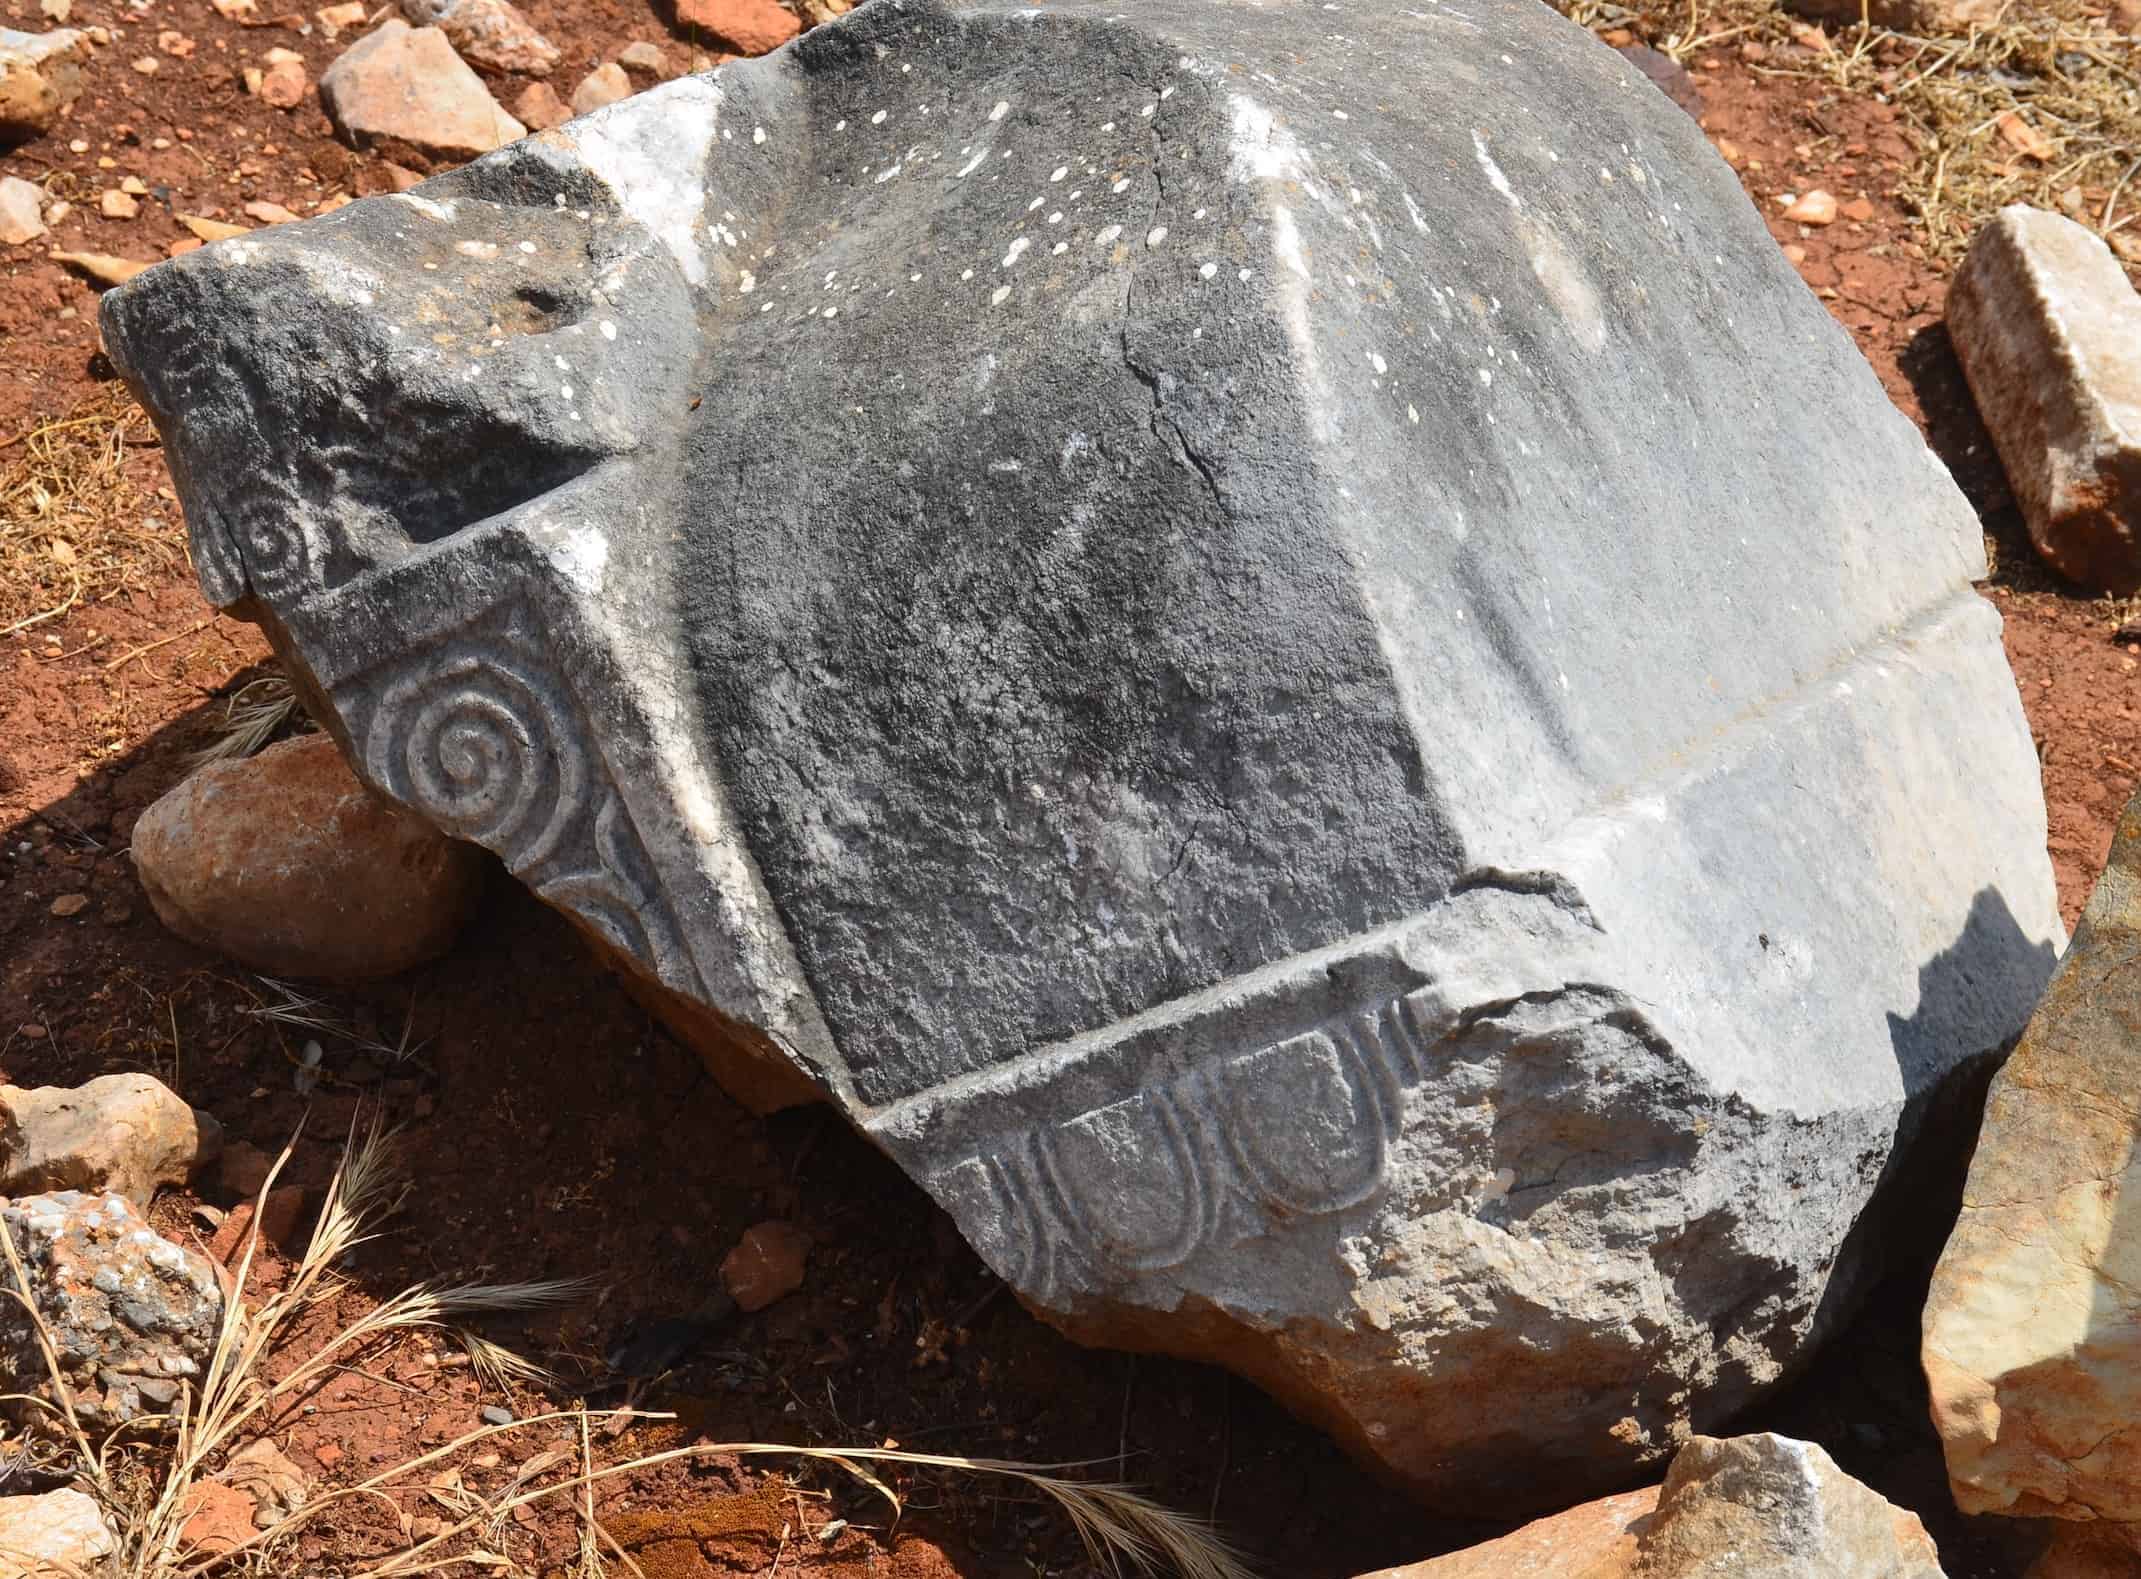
2033,1323
1293,663
1747,1507
2048,330
132,1316
129,1133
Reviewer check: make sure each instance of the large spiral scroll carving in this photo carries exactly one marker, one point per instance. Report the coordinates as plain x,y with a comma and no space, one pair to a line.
485,749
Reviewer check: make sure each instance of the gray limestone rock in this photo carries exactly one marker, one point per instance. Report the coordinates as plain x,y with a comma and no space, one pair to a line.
1285,655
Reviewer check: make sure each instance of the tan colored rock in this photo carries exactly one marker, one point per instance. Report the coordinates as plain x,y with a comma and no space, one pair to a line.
2033,1322
126,1133
60,1533
647,57
1747,1507
284,862
2048,331
600,88
1904,16
335,20
21,210
1815,208
40,75
749,27
489,32
116,204
540,106
284,83
766,1265
400,84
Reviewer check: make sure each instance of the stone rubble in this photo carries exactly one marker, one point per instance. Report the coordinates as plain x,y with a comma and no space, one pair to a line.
284,862
749,27
1401,975
60,1534
2048,330
607,84
128,1133
2033,1323
21,211
40,75
1747,1507
399,84
541,108
490,33
131,1314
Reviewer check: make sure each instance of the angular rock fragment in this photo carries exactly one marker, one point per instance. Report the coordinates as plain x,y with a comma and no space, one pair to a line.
2033,1323
21,210
403,85
286,863
749,27
1295,665
127,1133
1748,1507
607,84
489,32
40,75
54,1535
131,1315
2048,331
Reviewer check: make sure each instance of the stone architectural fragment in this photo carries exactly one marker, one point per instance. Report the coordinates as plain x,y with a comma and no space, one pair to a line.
2048,330
1296,666
1747,1507
400,85
2033,1324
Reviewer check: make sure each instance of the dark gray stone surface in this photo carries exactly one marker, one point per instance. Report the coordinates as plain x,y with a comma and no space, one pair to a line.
1273,640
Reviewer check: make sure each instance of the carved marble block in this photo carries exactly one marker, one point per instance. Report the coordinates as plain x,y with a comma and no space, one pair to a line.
1272,640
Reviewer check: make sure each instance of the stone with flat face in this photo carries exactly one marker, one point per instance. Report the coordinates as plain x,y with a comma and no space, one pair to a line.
1286,656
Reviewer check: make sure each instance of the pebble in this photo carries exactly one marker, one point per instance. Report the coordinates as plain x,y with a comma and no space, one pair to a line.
540,108
749,27
284,84
70,905
766,1265
1814,208
21,205
600,88
493,1414
116,204
399,83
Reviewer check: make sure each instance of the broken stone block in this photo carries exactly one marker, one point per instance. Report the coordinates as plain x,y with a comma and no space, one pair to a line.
40,75
2048,331
1334,707
401,85
1753,1507
2033,1323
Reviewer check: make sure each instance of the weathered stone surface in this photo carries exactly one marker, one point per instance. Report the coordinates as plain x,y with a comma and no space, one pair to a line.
21,210
1336,708
40,75
129,1133
399,84
2033,1323
489,32
286,863
131,1314
2048,331
1748,1507
59,1535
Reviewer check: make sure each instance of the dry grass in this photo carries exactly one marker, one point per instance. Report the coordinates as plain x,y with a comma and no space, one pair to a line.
2040,105
252,717
73,529
146,1474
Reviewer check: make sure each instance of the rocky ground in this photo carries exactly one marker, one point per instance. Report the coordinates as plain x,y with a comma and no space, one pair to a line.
549,1130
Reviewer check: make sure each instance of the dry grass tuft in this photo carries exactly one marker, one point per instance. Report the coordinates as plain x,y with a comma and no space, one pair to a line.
73,529
2041,105
252,717
145,1475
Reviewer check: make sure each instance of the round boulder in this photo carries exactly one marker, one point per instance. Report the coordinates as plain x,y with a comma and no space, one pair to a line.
287,864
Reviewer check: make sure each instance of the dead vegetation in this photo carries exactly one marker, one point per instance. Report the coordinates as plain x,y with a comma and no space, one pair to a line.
2039,104
73,528
148,1475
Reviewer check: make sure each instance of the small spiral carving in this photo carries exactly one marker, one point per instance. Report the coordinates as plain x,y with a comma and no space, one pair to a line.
483,748
280,556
